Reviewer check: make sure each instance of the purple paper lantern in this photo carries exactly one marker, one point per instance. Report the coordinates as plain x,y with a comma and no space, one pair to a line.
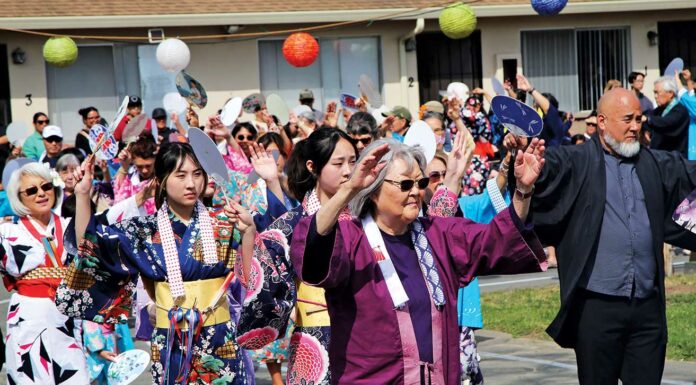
548,7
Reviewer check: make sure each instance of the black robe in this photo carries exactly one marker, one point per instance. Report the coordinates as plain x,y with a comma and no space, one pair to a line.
568,207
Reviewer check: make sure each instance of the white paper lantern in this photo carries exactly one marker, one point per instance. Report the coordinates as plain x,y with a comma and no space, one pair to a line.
173,55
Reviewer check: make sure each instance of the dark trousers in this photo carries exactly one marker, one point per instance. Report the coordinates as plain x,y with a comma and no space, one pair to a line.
619,338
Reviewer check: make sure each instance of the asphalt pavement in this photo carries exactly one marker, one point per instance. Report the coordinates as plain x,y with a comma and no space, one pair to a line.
505,360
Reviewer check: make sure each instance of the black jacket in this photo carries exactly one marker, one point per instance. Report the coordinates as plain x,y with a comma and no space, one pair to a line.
671,132
568,207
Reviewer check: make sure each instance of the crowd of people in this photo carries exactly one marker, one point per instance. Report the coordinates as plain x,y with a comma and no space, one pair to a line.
336,248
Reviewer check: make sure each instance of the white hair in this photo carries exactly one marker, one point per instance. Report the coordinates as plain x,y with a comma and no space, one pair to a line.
36,169
668,84
625,149
66,161
362,203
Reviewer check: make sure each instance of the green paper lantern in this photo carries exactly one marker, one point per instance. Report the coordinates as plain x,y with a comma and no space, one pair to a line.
60,51
457,21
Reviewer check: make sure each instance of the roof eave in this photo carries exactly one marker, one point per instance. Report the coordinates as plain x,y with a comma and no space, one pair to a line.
193,20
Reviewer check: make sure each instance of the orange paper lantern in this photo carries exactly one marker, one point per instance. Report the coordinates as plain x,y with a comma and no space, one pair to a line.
301,49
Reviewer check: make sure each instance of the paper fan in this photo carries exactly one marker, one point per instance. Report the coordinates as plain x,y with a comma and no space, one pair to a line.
676,65
128,366
369,91
191,90
420,134
517,117
17,133
209,156
230,112
276,106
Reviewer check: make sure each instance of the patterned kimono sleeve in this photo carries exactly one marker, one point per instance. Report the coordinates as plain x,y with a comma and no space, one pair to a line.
93,337
271,291
101,278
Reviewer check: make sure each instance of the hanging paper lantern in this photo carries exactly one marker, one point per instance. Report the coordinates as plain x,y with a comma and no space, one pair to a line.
457,21
548,7
301,49
60,51
173,55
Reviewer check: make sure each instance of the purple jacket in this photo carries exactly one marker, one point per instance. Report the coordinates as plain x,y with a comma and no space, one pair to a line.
366,346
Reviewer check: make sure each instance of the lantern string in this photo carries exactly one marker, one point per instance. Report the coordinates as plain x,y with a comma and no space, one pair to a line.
251,34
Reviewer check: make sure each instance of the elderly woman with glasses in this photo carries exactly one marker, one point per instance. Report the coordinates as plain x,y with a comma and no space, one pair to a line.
43,345
391,277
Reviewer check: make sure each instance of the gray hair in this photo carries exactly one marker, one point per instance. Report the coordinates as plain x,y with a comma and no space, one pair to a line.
362,203
66,161
668,84
35,169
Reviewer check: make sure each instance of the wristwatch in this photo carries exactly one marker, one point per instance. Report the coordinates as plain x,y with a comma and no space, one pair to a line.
522,195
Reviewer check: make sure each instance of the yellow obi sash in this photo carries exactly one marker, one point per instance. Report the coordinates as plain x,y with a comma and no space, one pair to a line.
311,313
199,293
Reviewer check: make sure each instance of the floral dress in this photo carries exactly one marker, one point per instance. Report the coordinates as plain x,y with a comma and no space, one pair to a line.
100,282
273,292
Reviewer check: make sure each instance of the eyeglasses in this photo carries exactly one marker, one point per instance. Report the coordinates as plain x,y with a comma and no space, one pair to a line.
407,184
591,124
43,121
436,175
48,186
54,139
248,137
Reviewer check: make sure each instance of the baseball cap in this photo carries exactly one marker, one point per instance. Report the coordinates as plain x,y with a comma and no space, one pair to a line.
49,131
158,113
399,112
435,106
135,101
306,94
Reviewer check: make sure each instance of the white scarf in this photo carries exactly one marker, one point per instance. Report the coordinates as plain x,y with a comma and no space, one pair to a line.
171,253
391,278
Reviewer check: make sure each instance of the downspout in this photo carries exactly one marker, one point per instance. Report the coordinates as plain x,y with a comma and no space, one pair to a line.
403,68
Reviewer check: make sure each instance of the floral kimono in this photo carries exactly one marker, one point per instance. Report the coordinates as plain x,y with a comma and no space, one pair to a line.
271,295
188,347
43,346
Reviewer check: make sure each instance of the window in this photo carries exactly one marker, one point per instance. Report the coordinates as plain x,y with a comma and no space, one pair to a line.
339,66
575,65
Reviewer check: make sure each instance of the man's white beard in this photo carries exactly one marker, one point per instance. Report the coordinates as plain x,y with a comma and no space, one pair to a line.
626,150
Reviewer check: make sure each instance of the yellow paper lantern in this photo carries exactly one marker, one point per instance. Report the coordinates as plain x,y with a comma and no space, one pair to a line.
457,21
60,51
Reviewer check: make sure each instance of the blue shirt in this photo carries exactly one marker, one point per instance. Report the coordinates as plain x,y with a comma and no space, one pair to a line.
625,263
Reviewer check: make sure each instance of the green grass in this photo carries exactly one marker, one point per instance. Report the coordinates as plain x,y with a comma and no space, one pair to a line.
527,313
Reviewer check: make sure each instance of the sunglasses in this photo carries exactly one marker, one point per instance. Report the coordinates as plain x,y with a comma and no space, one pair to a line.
591,124
407,184
54,139
436,175
48,186
248,137
364,141
42,121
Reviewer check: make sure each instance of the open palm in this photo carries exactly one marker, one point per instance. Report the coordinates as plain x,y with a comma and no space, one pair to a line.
528,164
263,162
368,168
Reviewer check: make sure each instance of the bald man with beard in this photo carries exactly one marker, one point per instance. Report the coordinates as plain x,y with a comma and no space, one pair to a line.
607,207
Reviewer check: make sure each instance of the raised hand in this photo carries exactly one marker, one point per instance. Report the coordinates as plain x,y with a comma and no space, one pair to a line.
84,175
528,165
523,83
124,158
458,161
239,217
263,162
512,142
366,171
